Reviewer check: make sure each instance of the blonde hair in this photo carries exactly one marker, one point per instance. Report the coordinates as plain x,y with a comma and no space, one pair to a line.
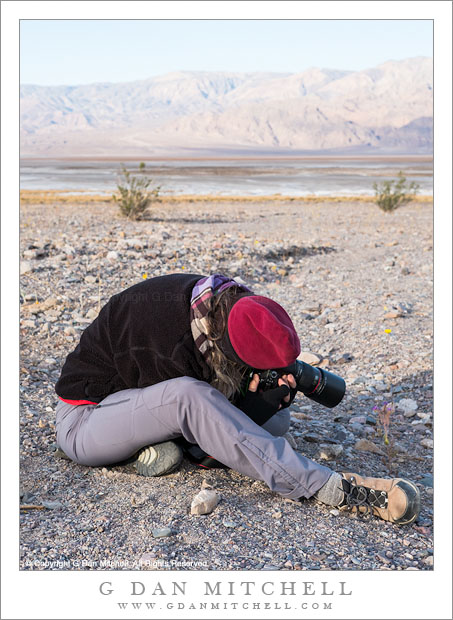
228,374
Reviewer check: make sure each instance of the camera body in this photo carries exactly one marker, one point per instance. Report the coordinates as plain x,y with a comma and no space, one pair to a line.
318,384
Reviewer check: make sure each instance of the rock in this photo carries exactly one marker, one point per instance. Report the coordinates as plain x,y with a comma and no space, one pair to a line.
315,309
365,445
42,306
311,438
133,243
310,358
276,515
31,254
27,323
429,561
59,454
28,497
323,317
91,314
359,419
418,426
52,505
425,531
360,379
334,512
204,502
25,267
398,448
341,435
290,439
68,249
112,256
408,406
90,279
330,452
403,308
357,429
406,542
162,532
229,523
427,443
427,481
344,359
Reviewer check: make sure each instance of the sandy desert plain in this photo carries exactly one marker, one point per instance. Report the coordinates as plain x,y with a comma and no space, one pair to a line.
358,284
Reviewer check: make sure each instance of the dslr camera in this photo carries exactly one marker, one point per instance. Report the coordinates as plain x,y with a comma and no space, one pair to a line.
318,384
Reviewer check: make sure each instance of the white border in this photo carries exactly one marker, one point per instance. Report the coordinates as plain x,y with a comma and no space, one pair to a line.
377,594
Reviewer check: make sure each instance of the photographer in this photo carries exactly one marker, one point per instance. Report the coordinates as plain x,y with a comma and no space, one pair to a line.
165,364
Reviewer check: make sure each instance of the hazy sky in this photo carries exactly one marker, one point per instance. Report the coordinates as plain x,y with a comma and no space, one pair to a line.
84,51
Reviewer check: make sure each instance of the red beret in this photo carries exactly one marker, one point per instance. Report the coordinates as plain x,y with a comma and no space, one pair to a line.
262,334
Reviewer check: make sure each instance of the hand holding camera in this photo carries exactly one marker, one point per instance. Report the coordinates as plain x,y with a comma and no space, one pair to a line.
260,405
318,384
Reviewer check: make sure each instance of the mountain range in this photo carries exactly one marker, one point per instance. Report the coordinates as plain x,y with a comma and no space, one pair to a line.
386,109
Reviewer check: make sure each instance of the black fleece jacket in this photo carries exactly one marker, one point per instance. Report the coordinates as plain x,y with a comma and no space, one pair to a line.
141,337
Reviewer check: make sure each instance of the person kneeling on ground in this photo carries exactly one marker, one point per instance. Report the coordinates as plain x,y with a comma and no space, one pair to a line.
164,363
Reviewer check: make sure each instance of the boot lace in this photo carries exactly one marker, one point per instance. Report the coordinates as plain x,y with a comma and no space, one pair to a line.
357,496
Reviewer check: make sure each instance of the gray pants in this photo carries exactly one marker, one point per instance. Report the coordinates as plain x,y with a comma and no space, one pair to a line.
128,420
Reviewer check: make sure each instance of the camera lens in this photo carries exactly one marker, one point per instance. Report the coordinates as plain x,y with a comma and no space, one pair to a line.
318,384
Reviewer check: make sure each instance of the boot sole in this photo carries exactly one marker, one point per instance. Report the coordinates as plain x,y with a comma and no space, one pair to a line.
167,459
413,502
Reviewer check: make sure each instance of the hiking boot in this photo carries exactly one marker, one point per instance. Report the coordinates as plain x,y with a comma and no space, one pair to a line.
392,499
199,457
158,459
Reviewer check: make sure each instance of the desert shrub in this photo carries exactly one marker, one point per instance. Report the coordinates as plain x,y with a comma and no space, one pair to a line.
133,194
393,194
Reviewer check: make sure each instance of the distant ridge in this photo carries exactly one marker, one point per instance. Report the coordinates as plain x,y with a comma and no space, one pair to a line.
384,110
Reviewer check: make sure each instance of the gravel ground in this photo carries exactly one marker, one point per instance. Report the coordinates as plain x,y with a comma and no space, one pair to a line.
358,285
